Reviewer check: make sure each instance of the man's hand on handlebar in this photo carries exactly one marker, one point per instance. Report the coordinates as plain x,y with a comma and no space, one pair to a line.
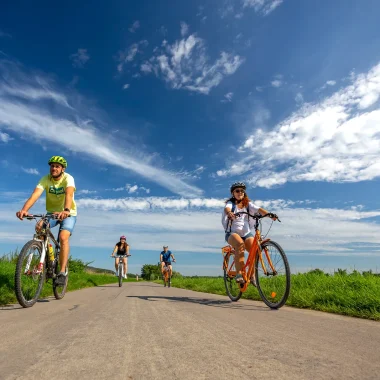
21,214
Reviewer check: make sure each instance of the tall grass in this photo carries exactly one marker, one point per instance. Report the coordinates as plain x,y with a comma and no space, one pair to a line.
78,278
354,294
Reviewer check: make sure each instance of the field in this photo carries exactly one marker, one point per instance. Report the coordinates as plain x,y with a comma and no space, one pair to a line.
356,294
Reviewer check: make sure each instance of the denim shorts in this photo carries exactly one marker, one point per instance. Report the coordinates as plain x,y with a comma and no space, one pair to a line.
67,224
249,235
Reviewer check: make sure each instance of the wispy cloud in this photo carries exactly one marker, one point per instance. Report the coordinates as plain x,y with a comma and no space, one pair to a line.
336,140
4,137
262,6
191,174
31,171
228,97
128,55
4,35
185,65
34,118
80,58
331,83
237,8
134,26
184,29
126,86
86,192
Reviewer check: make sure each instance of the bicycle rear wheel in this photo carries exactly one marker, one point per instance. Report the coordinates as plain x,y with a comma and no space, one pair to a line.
60,290
120,275
29,275
273,275
232,287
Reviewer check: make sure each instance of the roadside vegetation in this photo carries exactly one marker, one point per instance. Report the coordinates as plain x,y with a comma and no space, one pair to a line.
354,294
80,276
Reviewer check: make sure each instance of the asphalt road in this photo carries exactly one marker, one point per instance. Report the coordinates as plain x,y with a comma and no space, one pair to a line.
146,331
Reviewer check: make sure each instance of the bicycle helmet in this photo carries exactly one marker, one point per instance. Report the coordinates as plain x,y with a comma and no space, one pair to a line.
58,160
123,237
236,185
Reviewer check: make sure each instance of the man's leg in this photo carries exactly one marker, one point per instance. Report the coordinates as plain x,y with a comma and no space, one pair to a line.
170,270
64,237
162,268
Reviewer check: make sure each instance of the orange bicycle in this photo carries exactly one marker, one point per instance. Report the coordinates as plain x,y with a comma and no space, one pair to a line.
269,263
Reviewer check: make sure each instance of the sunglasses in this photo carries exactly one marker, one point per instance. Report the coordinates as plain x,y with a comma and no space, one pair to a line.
239,191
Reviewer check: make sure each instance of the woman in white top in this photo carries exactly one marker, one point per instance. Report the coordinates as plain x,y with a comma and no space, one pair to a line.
239,230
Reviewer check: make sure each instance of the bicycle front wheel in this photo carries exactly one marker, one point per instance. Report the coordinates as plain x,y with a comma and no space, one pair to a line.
29,275
233,289
272,275
60,290
120,275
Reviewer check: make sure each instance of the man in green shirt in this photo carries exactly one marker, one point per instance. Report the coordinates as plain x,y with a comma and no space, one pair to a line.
60,188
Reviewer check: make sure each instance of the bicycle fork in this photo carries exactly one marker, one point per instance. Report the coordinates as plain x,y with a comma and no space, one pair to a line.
40,266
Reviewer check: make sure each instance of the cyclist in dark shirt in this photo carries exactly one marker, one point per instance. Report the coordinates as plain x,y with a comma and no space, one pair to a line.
121,248
165,259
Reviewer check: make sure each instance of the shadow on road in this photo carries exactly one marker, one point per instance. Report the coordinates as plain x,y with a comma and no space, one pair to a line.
226,304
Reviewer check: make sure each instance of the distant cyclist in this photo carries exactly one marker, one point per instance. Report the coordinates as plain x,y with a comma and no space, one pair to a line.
166,259
121,248
60,188
238,229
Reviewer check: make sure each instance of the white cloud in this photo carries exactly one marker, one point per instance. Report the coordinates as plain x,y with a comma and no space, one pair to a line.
276,83
262,6
126,86
190,174
39,122
184,29
4,137
228,97
128,55
185,65
299,98
336,140
31,171
80,58
331,83
134,26
194,226
132,189
86,192
146,67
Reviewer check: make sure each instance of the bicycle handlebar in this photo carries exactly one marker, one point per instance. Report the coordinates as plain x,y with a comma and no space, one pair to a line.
120,256
43,216
257,217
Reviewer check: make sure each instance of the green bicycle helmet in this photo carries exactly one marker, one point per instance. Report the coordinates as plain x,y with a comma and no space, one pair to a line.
58,160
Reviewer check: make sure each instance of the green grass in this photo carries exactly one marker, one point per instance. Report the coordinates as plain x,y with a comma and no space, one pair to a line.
77,281
353,294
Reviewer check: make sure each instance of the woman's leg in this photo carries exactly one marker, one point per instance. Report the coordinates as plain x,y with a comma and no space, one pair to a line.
117,265
248,245
125,262
237,242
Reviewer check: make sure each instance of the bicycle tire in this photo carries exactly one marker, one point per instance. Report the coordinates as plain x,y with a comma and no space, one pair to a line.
282,300
120,276
19,275
59,294
229,282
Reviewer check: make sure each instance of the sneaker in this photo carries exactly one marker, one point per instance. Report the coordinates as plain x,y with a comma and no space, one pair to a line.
61,278
239,279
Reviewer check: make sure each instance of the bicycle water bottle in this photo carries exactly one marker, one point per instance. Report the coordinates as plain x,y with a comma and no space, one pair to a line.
51,252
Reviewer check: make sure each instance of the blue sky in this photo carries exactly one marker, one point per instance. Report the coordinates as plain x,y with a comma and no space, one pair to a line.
159,106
